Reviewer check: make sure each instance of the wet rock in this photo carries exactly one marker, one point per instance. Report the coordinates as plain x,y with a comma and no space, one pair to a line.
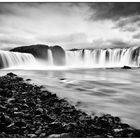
70,127
39,131
6,93
11,100
12,129
24,106
11,74
124,126
39,111
62,79
2,135
78,103
20,123
63,135
15,109
47,117
117,130
42,135
56,127
28,79
19,114
28,116
45,94
24,93
3,92
106,121
19,79
126,67
2,108
117,120
32,135
7,120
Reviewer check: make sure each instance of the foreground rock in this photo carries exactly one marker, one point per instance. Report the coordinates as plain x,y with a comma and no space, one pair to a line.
126,67
29,111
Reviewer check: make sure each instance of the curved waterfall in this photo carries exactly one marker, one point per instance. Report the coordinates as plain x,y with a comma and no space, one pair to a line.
116,57
10,59
104,57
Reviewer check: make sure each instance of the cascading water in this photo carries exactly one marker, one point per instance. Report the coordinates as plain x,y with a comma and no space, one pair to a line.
10,59
50,58
104,57
116,57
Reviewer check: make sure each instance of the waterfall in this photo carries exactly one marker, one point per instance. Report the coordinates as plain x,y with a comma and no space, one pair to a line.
50,58
10,59
116,57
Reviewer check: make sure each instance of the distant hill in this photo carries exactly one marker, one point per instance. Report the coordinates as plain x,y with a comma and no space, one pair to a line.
41,51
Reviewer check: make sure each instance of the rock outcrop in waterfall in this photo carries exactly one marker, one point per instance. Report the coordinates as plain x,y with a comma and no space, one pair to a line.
43,52
58,55
39,51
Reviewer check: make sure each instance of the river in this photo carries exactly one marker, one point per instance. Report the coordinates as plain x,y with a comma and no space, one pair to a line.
113,91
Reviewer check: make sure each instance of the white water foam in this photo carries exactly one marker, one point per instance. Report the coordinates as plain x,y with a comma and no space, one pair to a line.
97,58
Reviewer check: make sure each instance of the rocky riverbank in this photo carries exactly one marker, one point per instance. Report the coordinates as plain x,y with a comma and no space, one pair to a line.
28,110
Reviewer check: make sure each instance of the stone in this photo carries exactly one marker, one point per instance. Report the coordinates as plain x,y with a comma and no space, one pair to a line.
24,106
11,74
126,67
39,111
39,131
42,135
3,135
19,114
70,127
63,135
32,135
20,123
2,108
3,92
117,120
11,100
7,119
45,94
62,79
19,78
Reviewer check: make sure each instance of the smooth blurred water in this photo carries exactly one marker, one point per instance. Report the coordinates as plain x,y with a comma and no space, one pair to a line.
114,91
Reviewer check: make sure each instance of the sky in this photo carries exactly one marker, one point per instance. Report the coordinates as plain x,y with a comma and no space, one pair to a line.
70,25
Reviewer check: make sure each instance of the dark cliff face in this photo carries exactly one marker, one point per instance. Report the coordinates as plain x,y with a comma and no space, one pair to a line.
41,52
135,54
58,55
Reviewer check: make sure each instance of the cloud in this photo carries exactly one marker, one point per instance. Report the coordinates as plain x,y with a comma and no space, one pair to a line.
112,43
72,25
137,35
102,44
10,41
65,39
114,10
124,15
130,24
